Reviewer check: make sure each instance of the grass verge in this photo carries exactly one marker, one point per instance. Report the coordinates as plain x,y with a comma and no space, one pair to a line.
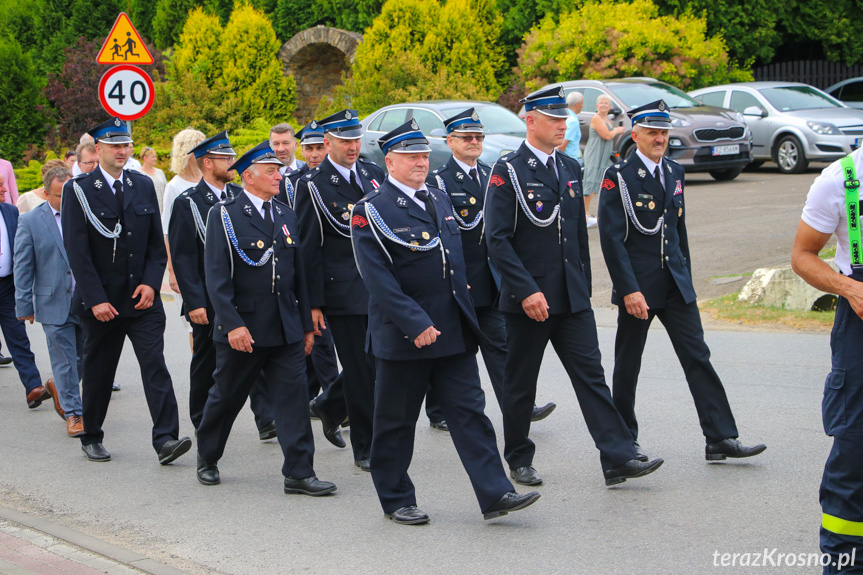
727,308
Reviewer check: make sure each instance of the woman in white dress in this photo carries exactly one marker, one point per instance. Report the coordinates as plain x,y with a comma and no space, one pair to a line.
33,198
188,176
148,166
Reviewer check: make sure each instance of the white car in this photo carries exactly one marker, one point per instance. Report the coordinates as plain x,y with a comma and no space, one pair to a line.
792,124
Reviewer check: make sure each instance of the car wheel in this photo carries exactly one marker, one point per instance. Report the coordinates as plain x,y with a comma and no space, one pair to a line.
789,156
725,175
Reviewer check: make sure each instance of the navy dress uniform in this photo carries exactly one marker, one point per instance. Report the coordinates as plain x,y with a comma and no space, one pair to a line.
412,262
642,228
321,365
466,187
325,197
186,232
537,237
113,238
255,279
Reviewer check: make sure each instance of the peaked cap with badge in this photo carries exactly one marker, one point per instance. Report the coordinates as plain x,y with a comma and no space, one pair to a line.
405,139
466,122
260,154
312,133
344,124
652,115
111,131
549,101
218,145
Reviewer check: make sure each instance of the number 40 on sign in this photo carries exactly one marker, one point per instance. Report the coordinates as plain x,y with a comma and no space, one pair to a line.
126,92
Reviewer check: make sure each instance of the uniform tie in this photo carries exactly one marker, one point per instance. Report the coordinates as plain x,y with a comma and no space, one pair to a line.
550,165
657,175
118,193
268,217
224,196
475,177
356,185
424,196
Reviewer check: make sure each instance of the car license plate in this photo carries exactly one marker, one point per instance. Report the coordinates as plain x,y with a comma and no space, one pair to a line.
856,144
726,150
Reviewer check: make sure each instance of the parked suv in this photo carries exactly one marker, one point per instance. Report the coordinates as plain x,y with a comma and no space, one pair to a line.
504,131
704,138
792,123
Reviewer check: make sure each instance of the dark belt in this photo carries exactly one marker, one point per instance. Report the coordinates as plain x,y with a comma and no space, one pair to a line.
4,278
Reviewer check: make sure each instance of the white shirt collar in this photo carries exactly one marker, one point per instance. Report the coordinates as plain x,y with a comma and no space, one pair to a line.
345,172
411,193
109,178
216,190
540,155
256,201
650,164
464,166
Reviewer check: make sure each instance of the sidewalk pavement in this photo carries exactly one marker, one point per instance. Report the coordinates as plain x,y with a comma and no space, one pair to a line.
31,545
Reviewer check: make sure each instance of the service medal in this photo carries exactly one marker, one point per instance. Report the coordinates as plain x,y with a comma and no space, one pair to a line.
473,200
539,206
260,244
350,207
426,235
346,215
530,195
638,204
464,213
651,205
289,240
571,193
679,212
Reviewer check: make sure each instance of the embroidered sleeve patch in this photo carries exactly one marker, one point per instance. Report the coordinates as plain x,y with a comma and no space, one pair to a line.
496,181
359,221
607,184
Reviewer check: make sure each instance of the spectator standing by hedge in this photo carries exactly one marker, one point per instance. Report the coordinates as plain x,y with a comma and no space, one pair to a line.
33,198
597,153
148,166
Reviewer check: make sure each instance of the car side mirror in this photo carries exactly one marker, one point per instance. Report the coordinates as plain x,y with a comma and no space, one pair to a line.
438,133
755,111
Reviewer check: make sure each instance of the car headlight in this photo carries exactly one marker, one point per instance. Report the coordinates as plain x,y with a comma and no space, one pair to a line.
739,117
675,142
823,128
680,123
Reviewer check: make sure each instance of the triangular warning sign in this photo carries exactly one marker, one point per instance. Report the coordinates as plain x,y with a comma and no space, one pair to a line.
124,45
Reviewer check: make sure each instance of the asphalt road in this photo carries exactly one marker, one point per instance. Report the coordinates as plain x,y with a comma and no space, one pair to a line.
673,521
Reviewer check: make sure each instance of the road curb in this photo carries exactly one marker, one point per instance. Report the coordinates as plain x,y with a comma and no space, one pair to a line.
89,543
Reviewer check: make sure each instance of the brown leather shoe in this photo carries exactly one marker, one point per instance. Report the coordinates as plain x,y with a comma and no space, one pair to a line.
37,396
75,426
53,391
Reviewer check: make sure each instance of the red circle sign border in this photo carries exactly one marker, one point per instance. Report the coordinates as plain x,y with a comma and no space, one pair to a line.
120,67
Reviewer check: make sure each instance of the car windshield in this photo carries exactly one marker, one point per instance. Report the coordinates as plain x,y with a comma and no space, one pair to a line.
496,120
790,98
637,95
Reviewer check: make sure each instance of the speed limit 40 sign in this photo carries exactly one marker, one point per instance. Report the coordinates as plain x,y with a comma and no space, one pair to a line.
126,92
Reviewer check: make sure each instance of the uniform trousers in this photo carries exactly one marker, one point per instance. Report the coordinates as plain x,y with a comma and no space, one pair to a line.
201,370
841,493
573,336
683,324
322,368
493,327
284,369
103,345
399,393
66,351
357,382
16,338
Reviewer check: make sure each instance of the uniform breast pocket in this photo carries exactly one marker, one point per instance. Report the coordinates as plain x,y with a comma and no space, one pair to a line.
253,244
541,201
145,210
645,203
341,211
452,227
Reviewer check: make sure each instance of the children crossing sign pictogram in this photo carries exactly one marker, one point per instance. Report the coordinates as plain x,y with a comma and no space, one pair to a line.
124,45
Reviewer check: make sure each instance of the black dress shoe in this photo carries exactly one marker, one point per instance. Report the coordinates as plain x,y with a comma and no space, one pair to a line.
115,386
526,475
631,469
364,464
511,501
439,425
309,486
208,473
540,413
173,448
640,454
731,447
331,430
408,515
268,431
5,360
96,452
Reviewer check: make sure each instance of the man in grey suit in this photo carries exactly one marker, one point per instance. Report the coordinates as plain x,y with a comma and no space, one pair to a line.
43,291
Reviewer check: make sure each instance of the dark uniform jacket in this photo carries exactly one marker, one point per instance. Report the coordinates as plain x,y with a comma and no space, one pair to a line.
467,199
334,284
637,261
102,275
270,300
287,192
412,290
187,247
554,260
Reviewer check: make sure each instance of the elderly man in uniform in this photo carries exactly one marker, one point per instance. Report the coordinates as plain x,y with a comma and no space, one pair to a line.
833,208
464,178
642,231
537,238
263,323
325,197
187,231
113,237
321,365
423,331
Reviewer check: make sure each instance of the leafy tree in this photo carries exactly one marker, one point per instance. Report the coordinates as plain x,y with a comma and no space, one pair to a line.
748,27
196,52
519,16
418,49
93,19
142,13
169,20
618,39
835,25
21,119
223,8
292,16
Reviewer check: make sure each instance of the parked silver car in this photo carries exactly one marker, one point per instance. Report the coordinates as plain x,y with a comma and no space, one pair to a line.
849,92
791,123
504,131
